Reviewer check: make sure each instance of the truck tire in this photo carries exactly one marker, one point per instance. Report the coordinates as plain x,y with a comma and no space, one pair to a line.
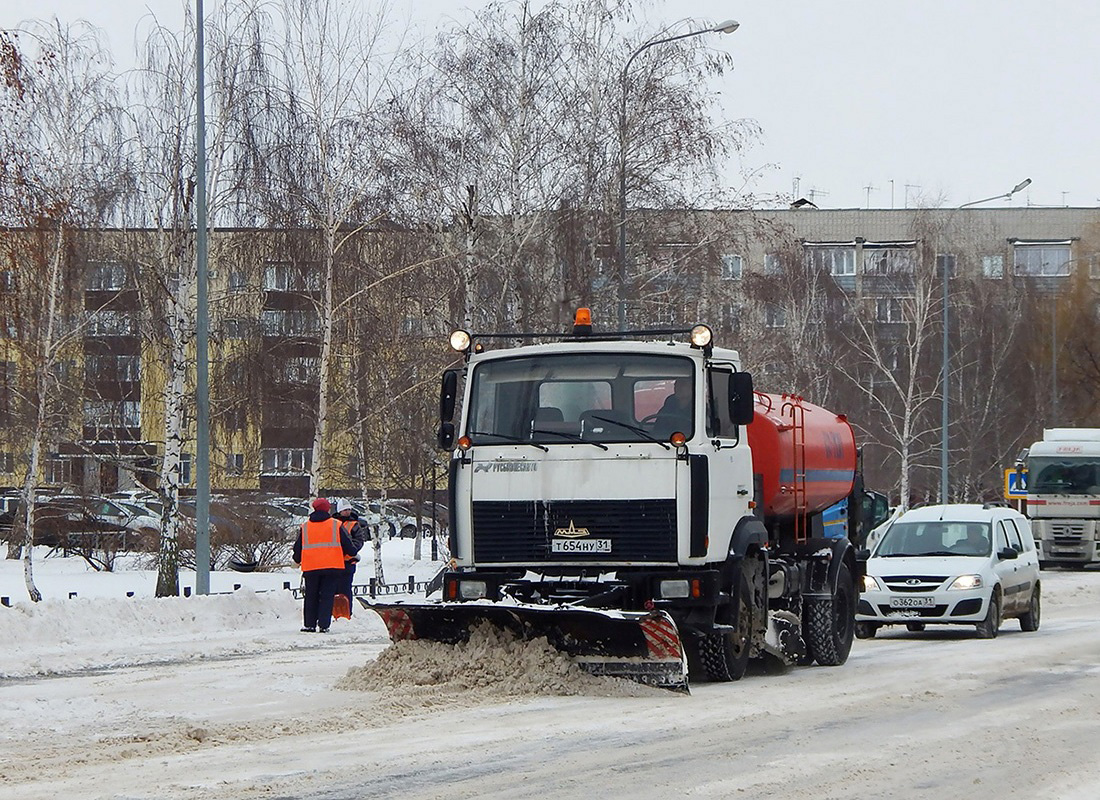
725,656
831,625
988,627
1030,620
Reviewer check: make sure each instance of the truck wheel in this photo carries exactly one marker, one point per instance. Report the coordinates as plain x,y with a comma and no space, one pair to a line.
725,656
832,622
866,630
988,627
1030,621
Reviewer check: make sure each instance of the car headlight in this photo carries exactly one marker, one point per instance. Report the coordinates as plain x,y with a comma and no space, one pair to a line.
966,582
871,584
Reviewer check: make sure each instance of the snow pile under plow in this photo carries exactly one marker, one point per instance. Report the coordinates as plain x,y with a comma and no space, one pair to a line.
640,646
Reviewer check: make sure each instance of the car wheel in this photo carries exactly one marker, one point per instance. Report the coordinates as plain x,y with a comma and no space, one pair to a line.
1030,620
914,627
832,622
408,531
988,627
866,630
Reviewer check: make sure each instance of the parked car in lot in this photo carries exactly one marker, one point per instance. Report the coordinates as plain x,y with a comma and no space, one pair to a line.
963,564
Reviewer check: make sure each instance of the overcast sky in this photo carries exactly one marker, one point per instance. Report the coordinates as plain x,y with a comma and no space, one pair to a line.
935,102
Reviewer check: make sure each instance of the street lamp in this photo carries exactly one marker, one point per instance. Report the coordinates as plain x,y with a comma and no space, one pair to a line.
729,26
944,421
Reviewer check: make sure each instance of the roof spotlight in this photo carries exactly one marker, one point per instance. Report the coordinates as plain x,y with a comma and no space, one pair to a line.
460,341
700,336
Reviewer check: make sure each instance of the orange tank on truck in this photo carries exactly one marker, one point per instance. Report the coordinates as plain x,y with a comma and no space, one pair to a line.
803,467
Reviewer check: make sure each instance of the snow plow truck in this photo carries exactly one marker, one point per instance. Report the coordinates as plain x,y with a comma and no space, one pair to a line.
631,498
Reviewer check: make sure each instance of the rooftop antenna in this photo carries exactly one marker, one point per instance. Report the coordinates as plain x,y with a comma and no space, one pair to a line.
891,193
909,186
813,193
1064,197
795,183
869,188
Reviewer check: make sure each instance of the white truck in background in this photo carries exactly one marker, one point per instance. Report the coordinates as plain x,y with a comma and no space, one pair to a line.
1063,496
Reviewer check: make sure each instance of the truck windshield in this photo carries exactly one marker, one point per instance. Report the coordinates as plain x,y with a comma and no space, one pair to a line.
1063,475
938,538
564,398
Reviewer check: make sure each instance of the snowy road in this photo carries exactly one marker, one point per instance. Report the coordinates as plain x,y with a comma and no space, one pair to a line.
911,715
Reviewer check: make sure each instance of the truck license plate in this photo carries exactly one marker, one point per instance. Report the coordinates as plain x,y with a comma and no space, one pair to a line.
580,546
912,602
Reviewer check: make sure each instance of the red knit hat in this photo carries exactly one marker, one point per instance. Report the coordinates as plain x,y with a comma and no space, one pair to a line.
321,504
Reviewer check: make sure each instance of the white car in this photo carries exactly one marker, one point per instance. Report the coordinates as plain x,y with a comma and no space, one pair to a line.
963,564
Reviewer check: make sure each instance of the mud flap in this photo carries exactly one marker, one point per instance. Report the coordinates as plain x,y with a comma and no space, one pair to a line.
784,637
641,646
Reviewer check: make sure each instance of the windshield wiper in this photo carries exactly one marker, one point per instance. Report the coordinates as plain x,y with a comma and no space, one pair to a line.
571,437
630,427
508,438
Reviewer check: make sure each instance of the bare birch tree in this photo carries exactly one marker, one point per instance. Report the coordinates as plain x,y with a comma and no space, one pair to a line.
64,161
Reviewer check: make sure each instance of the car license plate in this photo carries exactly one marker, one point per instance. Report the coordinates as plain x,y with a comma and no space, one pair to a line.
912,602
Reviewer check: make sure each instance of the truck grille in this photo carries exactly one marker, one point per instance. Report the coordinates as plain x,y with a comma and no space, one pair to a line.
1067,534
522,532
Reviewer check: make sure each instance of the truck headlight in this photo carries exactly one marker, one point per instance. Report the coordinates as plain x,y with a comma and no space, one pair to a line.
472,590
966,582
675,589
871,584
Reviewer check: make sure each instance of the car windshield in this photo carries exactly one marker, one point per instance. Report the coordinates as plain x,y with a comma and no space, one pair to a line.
935,538
1064,475
568,398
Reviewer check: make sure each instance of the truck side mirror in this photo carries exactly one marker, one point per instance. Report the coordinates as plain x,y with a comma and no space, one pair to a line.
741,400
446,436
447,392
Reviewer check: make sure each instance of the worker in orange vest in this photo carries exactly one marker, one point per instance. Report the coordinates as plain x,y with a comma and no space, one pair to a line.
349,521
320,548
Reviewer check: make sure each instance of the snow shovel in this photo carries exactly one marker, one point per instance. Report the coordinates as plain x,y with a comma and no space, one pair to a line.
341,607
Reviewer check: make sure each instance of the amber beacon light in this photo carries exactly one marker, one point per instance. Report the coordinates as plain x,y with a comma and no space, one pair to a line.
582,322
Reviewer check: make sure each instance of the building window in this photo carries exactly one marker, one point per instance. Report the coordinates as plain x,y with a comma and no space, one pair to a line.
283,276
59,471
773,264
185,469
993,266
889,309
834,260
112,368
108,322
304,370
112,413
1042,260
888,260
234,464
234,328
946,261
235,418
731,269
774,316
731,317
7,281
286,460
106,276
7,462
1094,266
288,322
238,281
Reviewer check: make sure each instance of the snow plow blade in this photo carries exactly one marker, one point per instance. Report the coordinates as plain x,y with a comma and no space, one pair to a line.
643,646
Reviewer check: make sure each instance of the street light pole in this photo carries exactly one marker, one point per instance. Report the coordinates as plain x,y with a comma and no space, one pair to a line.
945,416
729,26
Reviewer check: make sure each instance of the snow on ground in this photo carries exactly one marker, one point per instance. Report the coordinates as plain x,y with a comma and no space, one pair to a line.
208,698
87,620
